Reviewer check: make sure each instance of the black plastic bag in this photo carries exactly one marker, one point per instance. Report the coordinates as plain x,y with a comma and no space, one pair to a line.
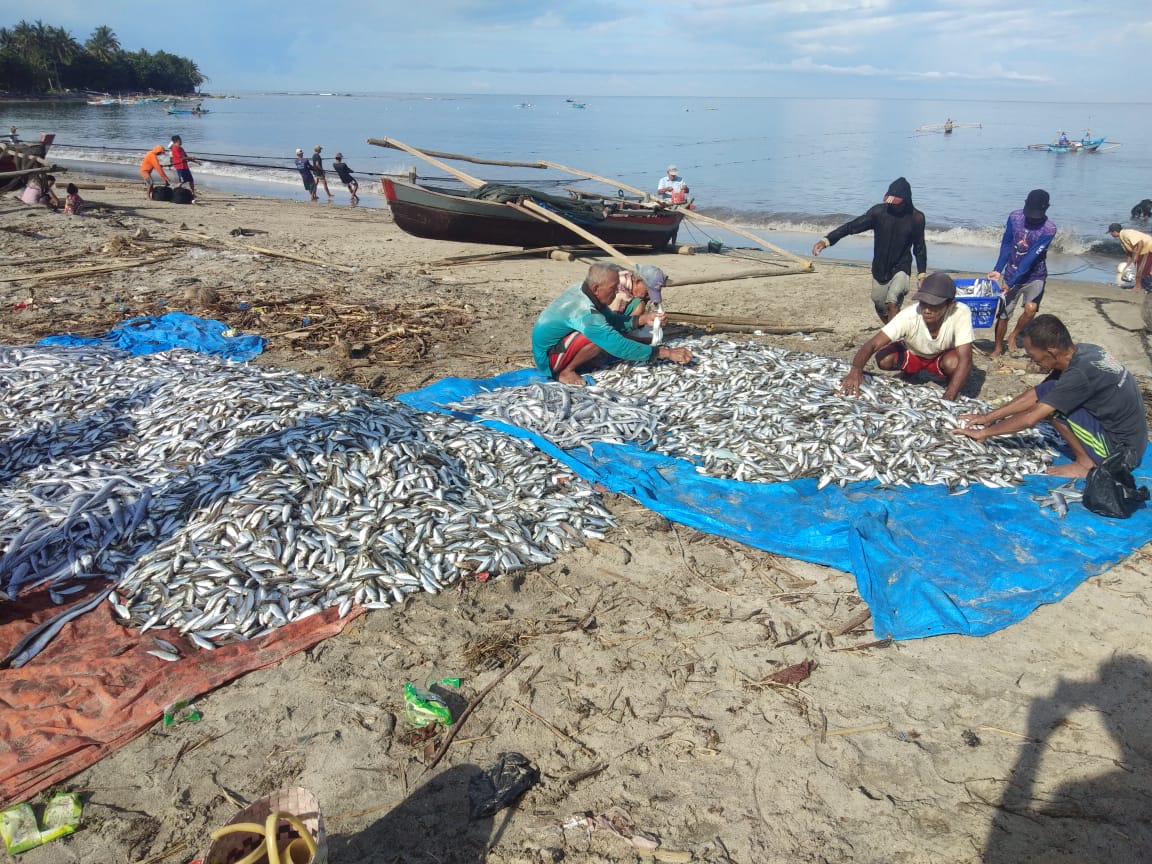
500,785
1110,489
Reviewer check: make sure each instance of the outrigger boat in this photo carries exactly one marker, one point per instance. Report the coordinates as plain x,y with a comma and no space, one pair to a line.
1084,145
187,110
520,216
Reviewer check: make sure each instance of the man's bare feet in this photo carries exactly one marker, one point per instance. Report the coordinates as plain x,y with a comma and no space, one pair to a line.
570,377
1071,469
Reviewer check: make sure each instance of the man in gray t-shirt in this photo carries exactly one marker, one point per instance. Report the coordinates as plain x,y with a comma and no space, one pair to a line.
1091,400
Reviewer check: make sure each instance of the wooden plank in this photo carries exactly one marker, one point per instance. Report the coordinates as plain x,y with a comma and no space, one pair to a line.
300,258
576,229
85,271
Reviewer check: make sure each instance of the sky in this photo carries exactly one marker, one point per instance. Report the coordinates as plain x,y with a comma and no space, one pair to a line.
956,49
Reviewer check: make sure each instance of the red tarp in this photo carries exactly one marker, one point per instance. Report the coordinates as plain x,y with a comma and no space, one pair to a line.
94,688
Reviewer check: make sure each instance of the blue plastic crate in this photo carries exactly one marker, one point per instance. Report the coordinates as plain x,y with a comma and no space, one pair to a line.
983,308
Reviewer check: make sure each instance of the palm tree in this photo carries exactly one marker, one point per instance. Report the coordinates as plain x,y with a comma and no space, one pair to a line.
103,44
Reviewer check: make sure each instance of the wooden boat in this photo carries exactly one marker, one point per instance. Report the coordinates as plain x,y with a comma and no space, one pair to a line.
1085,145
18,160
443,214
186,110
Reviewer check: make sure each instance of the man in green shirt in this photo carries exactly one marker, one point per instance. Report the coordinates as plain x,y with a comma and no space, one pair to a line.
577,330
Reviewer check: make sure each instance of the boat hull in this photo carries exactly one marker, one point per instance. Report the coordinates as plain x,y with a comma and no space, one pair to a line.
435,215
20,157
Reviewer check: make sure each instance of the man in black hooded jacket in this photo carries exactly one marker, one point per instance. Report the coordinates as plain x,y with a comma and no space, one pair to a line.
898,233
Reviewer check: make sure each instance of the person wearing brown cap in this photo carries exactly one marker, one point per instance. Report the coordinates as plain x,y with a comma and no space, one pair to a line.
934,336
1091,400
318,172
345,174
1022,268
1138,248
897,235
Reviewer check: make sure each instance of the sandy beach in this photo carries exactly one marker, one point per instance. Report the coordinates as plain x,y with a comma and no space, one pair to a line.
643,692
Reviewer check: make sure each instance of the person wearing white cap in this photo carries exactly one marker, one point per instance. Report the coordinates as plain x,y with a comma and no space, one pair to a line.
305,169
672,187
934,336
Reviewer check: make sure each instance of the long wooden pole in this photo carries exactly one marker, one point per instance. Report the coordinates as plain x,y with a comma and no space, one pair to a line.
690,214
389,142
530,207
751,274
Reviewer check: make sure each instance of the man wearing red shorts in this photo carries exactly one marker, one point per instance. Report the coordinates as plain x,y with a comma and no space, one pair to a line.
934,336
577,330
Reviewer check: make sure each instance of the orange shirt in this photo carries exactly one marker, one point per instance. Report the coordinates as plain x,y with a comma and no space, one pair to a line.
152,163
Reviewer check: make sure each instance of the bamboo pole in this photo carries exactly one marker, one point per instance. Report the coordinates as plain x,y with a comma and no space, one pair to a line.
751,274
390,142
576,229
690,214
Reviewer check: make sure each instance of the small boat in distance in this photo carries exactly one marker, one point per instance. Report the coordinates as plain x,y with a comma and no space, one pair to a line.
1065,145
196,111
947,126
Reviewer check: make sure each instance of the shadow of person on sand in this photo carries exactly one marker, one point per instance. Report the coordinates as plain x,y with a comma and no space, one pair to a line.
1102,818
430,826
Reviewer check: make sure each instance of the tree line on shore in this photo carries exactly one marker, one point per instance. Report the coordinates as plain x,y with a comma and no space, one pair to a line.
37,59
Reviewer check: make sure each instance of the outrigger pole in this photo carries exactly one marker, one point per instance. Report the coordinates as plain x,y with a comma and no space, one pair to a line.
525,206
429,155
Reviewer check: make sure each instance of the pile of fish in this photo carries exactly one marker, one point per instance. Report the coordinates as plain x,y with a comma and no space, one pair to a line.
569,417
226,500
750,412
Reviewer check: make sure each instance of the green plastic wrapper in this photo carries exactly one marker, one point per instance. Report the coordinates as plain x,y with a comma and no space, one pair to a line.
423,707
21,832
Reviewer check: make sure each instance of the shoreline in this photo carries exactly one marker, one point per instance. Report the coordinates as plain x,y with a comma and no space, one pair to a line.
963,260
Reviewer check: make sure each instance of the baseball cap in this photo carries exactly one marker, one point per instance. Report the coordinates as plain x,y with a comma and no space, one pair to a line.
673,169
936,289
654,278
339,155
1036,205
299,151
1115,226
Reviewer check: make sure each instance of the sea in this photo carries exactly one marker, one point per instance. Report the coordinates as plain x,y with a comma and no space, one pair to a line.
787,169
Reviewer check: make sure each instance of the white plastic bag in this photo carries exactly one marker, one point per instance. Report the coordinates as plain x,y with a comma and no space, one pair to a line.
1126,275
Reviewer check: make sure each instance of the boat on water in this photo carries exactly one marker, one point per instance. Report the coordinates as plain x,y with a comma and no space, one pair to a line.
196,111
947,126
1084,145
491,215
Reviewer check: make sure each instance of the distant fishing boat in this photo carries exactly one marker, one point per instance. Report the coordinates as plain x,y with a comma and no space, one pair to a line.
525,105
947,126
1084,145
187,111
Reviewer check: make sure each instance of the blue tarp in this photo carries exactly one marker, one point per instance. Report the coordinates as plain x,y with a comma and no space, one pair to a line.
927,562
174,330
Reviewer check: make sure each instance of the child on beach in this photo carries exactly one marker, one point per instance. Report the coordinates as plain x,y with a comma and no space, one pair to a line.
73,204
41,192
345,174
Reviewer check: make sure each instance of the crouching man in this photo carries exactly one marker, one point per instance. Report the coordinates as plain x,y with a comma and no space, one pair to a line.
934,336
577,331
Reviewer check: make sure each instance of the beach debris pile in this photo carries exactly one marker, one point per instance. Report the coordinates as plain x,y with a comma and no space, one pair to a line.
226,500
750,412
569,417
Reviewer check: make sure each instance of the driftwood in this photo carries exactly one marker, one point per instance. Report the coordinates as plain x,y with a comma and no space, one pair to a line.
84,271
300,258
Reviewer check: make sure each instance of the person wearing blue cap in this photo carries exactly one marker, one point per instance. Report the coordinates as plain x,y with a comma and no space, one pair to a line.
578,330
